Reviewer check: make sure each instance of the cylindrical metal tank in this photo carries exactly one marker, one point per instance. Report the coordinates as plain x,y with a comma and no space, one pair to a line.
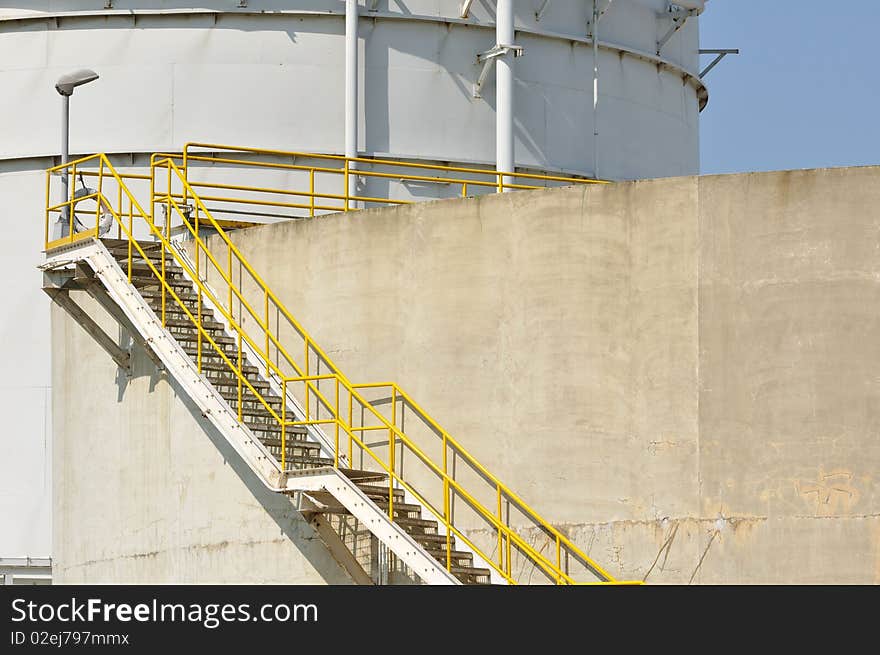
272,73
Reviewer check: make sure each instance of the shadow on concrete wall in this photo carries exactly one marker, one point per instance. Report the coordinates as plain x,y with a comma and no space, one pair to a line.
289,520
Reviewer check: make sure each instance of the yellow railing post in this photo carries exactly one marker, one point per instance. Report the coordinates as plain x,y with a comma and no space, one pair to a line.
199,292
48,212
71,206
240,375
167,236
119,210
350,435
162,252
306,369
283,424
100,199
345,177
336,440
311,192
500,550
391,477
447,521
266,307
229,274
130,236
185,172
152,191
464,190
559,559
168,205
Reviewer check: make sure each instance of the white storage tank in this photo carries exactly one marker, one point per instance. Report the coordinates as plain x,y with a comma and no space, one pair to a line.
400,79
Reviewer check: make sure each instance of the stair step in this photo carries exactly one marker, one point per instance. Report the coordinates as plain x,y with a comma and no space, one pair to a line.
424,538
296,437
210,353
217,364
295,448
231,382
273,428
249,403
173,309
360,476
156,295
153,281
417,524
122,244
407,508
458,556
308,462
468,575
154,256
220,339
376,492
140,271
186,323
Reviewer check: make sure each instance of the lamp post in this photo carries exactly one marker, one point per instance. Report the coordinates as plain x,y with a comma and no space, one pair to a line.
65,86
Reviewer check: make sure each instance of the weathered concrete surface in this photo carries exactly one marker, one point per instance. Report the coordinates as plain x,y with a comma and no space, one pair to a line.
682,372
146,490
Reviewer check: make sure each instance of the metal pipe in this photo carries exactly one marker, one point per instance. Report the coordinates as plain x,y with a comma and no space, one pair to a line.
65,158
351,88
595,37
504,31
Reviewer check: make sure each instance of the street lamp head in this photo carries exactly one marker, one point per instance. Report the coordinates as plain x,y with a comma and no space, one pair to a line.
67,83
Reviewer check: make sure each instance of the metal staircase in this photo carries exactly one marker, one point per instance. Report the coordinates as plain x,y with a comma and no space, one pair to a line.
346,457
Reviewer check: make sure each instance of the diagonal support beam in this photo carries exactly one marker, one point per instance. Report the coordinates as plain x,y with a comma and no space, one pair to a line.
488,59
61,297
97,291
720,53
334,542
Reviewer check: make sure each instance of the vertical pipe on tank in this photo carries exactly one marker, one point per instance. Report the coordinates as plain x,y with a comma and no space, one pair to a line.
504,90
595,37
351,89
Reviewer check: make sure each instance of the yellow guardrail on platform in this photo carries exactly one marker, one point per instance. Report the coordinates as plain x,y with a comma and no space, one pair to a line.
450,481
336,175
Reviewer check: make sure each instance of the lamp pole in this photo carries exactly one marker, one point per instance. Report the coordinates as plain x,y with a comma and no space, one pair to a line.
65,86
65,158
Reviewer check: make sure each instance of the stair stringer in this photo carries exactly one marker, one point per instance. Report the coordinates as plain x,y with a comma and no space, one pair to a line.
372,517
176,361
214,407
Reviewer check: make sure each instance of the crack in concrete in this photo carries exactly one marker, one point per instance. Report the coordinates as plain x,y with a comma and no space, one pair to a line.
703,556
664,547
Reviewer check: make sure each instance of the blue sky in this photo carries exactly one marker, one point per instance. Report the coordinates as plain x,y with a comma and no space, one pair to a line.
804,93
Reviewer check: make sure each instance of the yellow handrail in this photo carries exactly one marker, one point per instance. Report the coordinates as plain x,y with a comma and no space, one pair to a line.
338,166
346,393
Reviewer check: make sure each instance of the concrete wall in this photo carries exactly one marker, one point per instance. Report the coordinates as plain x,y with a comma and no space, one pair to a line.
680,372
146,490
